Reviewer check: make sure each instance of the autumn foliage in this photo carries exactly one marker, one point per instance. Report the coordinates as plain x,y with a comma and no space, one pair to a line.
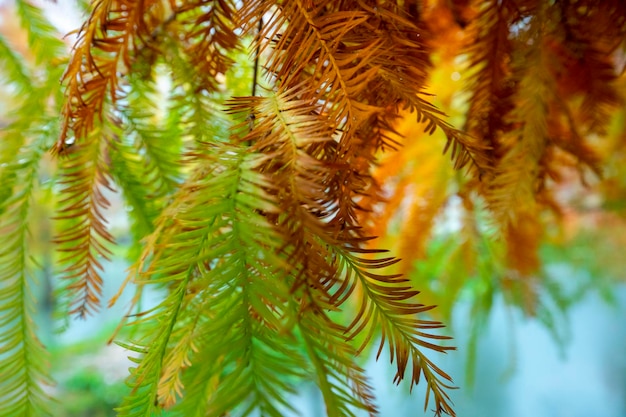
261,147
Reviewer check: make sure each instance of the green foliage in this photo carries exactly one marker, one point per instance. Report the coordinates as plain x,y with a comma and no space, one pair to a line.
29,132
220,281
23,359
87,395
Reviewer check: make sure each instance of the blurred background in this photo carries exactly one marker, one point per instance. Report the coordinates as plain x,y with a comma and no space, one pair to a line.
561,354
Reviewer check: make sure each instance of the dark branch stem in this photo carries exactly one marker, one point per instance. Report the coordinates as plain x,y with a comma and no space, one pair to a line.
256,57
255,72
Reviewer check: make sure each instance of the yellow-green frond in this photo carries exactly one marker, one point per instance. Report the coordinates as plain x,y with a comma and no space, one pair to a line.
23,359
217,257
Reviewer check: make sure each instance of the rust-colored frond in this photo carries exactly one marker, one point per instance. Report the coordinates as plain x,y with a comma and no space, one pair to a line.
522,245
464,149
403,61
583,45
519,174
324,48
492,84
296,141
404,57
290,135
325,253
352,185
564,133
101,53
82,236
204,32
535,105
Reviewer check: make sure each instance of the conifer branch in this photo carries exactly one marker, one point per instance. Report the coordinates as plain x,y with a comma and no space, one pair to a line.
335,371
204,35
103,50
220,272
262,249
257,53
386,304
83,237
23,359
492,83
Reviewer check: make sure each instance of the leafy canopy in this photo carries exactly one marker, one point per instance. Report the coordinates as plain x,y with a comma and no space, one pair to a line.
259,147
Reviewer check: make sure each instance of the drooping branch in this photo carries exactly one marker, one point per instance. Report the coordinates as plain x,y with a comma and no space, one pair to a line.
103,49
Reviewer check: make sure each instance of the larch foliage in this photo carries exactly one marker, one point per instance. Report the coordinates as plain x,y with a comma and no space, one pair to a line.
254,180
